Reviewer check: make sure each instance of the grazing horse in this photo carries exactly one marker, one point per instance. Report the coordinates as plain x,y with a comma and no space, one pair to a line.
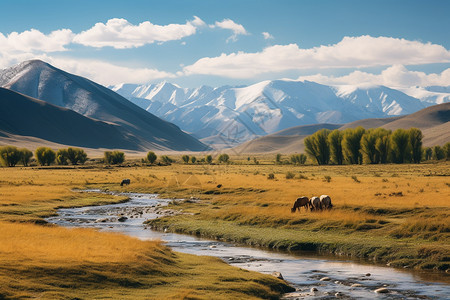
300,202
325,202
314,203
125,181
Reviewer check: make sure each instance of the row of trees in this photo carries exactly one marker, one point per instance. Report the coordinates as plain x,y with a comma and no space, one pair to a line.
10,156
373,146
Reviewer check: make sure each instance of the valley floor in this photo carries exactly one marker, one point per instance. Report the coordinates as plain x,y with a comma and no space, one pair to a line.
49,262
394,214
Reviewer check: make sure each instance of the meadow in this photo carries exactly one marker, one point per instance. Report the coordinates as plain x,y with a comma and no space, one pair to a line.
38,260
391,214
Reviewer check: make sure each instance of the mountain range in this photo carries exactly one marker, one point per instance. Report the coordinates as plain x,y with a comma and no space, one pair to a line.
135,128
41,103
227,116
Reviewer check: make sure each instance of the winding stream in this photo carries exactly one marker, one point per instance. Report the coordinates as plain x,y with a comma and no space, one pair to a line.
344,278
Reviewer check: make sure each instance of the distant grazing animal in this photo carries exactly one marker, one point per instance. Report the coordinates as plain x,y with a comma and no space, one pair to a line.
314,203
325,202
300,202
125,181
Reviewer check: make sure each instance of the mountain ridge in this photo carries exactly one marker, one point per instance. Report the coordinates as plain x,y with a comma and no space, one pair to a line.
243,113
42,81
20,114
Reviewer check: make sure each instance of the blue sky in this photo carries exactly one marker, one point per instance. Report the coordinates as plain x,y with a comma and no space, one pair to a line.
396,43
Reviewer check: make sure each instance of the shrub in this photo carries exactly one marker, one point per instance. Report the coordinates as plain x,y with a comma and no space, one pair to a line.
271,176
355,179
45,156
438,153
10,155
301,176
185,158
208,159
151,157
25,157
76,155
290,175
114,157
298,159
327,178
62,157
167,160
427,153
224,158
193,159
278,159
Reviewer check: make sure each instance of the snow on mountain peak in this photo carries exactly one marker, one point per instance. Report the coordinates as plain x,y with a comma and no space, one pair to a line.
241,113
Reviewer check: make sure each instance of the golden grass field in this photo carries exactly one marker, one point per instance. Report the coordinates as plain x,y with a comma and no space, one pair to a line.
367,221
49,262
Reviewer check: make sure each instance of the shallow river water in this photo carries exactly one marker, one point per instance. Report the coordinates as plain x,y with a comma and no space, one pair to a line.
344,278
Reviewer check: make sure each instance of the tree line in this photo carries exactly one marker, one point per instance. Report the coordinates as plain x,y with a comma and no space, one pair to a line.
372,146
10,156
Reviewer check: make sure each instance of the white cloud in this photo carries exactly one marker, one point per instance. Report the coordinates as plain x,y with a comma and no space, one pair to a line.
394,76
237,29
34,40
107,73
121,34
267,36
350,52
102,72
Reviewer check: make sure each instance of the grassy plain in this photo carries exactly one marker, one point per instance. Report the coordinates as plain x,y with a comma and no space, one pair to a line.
49,262
397,214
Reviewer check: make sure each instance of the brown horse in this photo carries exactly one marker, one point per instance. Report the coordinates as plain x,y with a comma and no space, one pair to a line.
300,202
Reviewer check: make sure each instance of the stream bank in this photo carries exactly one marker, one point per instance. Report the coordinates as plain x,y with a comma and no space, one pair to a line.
311,275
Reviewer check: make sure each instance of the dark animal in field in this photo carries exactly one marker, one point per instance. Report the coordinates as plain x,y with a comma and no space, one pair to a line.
125,181
314,204
300,202
325,202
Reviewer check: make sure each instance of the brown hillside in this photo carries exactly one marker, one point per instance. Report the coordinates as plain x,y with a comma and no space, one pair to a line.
28,117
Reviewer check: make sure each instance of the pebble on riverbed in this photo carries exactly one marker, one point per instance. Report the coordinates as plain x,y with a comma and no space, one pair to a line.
325,279
313,289
382,291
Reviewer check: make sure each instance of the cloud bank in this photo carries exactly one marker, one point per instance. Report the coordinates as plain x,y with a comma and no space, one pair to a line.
350,52
34,40
394,76
121,34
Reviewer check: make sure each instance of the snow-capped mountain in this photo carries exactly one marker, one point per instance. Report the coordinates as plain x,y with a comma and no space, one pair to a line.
429,94
231,115
42,81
